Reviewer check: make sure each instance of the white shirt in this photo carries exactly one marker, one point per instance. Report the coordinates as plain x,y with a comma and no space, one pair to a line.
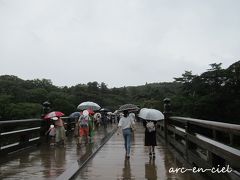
132,115
125,122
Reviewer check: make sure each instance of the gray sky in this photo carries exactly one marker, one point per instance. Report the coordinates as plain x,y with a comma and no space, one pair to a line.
119,42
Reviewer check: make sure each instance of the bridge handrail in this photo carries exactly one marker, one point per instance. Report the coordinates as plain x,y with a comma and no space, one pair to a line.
19,121
19,134
26,120
196,148
202,143
225,127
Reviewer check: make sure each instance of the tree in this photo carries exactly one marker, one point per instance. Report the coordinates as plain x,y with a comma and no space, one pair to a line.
187,77
212,95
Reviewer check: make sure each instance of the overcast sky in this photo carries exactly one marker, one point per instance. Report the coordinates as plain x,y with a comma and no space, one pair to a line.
118,42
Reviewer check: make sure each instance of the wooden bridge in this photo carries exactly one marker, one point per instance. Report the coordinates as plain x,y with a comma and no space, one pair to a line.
187,149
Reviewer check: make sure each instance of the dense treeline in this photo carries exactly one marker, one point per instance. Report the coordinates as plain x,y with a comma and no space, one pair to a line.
213,95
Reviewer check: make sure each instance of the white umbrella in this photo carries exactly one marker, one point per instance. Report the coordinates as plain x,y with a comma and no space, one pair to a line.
88,105
151,114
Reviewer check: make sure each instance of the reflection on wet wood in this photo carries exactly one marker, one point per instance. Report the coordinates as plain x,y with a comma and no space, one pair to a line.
110,162
48,162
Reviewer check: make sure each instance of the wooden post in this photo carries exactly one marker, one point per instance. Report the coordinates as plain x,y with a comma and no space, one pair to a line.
1,140
188,131
210,158
167,112
231,139
46,108
214,134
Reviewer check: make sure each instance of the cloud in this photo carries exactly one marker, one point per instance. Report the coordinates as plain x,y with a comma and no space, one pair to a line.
120,43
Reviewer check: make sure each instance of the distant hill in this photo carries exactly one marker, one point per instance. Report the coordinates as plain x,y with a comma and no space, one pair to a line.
213,95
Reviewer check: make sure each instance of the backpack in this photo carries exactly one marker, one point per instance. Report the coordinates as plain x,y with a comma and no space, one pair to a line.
83,121
150,126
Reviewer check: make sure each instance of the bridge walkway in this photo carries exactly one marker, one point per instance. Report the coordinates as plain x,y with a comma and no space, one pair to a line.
45,161
110,162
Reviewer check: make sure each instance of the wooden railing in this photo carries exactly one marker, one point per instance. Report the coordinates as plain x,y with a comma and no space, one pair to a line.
19,134
203,143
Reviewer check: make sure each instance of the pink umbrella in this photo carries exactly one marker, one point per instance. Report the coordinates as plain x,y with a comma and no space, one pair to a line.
53,114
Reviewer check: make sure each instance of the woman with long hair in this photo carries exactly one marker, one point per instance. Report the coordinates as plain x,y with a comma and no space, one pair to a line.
125,124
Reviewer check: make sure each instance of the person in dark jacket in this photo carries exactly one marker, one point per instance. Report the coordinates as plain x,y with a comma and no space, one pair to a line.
150,136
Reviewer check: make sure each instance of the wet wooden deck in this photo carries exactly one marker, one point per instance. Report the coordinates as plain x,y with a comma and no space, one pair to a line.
46,162
109,162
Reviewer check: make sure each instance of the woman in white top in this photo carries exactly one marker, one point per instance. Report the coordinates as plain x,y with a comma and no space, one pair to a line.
125,124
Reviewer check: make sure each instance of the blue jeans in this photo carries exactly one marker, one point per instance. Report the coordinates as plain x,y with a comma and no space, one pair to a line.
127,134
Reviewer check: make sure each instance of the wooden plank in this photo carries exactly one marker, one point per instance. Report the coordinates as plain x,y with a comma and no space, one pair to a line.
201,163
224,127
228,153
20,132
18,146
177,131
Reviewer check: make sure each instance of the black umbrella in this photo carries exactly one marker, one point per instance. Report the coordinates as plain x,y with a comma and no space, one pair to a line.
75,115
129,107
104,110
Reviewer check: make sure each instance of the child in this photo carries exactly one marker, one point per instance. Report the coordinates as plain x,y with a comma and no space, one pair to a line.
52,134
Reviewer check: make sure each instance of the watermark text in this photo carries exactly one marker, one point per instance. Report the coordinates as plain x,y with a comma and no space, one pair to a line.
218,169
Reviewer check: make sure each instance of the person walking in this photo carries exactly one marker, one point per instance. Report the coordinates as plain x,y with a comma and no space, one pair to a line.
91,126
97,120
150,136
125,124
60,130
52,133
76,130
83,127
104,120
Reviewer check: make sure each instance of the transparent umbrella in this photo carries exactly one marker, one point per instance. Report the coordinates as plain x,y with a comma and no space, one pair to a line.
151,114
88,105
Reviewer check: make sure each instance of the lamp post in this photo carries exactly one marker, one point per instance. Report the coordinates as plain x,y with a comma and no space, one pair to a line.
167,113
46,108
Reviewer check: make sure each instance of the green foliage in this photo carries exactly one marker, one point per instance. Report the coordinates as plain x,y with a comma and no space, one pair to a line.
23,110
213,95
